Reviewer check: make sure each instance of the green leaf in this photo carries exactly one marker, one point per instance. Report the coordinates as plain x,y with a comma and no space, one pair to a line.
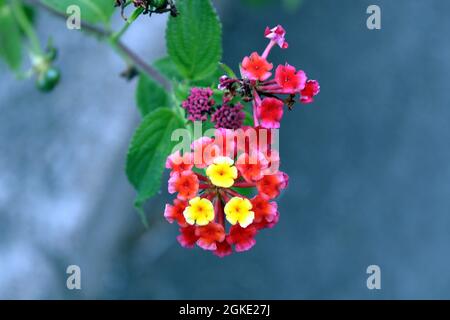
194,39
210,81
150,95
30,13
168,69
10,38
92,11
150,146
247,192
230,73
181,92
290,6
248,121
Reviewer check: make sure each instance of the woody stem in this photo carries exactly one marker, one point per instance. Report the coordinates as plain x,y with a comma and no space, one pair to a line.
126,53
137,12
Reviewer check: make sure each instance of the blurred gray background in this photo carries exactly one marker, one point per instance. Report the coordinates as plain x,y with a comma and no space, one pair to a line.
369,164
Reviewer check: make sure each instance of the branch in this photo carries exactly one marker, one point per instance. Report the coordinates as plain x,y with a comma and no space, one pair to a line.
118,45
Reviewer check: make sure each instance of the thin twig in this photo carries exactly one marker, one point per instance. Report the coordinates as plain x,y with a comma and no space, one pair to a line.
119,45
145,67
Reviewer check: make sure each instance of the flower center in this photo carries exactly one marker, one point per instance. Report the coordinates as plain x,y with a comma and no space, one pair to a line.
222,172
238,210
200,211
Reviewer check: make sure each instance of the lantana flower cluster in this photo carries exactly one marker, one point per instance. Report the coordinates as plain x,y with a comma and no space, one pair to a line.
210,207
226,185
268,96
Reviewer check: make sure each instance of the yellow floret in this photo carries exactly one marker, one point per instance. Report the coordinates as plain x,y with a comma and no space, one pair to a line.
238,210
200,211
222,172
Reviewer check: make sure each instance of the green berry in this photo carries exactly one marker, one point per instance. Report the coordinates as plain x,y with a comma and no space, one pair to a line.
48,80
